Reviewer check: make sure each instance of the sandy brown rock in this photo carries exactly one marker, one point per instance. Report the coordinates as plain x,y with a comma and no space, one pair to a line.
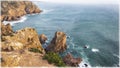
71,61
23,58
58,43
10,10
42,38
6,29
25,38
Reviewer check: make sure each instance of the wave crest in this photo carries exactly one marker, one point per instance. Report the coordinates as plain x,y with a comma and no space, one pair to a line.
95,50
22,19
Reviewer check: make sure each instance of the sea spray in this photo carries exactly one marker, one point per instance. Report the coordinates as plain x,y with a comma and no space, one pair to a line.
95,50
22,19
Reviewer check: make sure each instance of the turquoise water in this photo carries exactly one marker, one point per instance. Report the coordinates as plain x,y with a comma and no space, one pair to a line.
95,26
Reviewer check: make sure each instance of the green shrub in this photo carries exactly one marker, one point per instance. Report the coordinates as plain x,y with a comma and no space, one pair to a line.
35,50
54,58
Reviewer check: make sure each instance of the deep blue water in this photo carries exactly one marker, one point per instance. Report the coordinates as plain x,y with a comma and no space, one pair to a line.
95,26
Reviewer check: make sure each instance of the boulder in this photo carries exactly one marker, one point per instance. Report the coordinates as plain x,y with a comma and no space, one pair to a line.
58,43
42,38
71,61
6,29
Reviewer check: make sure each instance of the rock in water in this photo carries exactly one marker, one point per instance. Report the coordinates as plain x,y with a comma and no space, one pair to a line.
71,61
58,43
42,38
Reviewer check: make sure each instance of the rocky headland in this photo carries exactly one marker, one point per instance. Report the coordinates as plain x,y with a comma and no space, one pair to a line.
24,47
13,10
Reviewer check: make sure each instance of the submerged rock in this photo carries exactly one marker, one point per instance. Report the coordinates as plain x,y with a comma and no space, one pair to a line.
42,38
71,61
58,43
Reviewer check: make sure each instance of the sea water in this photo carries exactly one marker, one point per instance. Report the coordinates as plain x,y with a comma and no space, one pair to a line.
93,26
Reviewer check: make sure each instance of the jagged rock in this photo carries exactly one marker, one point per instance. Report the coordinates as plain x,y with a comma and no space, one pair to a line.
58,43
42,38
6,29
10,10
71,61
26,38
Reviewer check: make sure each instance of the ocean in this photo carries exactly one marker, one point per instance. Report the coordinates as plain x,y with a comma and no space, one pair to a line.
93,26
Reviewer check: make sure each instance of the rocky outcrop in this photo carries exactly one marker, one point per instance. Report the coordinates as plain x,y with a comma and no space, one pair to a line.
58,43
42,38
13,10
71,61
23,58
6,29
25,38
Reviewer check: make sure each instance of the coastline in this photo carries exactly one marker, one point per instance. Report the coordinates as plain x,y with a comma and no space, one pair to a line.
15,41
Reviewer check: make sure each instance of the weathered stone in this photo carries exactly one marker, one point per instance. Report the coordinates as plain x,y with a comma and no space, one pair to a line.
42,38
71,61
58,43
26,38
23,58
9,59
6,29
10,46
11,9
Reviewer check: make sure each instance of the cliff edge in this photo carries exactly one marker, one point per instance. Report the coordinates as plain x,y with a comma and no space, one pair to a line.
13,10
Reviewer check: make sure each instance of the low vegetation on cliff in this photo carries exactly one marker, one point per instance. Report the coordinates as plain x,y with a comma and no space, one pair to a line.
54,58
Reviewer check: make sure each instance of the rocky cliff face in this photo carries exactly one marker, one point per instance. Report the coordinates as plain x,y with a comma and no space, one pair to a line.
13,10
58,43
6,29
25,38
71,61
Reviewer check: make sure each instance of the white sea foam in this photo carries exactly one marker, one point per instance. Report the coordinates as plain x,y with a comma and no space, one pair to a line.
46,11
82,64
116,55
22,19
87,46
95,50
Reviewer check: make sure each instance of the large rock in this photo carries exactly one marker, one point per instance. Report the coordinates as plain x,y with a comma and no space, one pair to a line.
6,29
71,61
58,43
11,10
25,38
42,38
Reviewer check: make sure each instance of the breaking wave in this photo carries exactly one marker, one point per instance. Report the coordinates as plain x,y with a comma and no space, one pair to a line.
22,19
95,50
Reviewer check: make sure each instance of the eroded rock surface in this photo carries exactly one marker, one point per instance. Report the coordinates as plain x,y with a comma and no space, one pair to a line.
25,38
6,29
13,10
58,43
71,61
23,58
42,38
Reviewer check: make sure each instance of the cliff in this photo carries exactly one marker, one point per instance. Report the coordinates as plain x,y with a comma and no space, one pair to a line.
24,47
13,10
